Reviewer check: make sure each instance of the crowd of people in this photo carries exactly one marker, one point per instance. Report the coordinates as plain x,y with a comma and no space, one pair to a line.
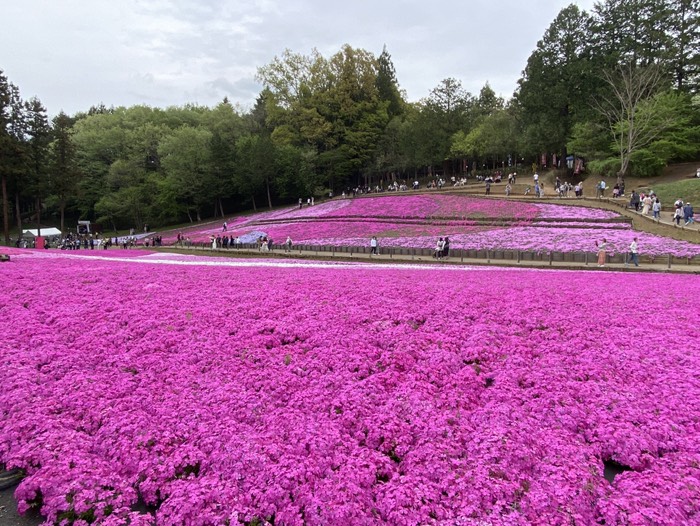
263,242
217,241
650,204
92,242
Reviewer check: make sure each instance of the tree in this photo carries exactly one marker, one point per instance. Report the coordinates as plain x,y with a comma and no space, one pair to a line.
684,49
15,156
6,148
38,140
645,32
487,103
445,111
632,31
256,166
557,83
186,159
634,110
99,139
494,140
226,126
331,106
387,85
64,174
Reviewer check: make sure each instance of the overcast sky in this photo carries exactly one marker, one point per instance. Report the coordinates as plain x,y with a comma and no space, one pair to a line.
73,54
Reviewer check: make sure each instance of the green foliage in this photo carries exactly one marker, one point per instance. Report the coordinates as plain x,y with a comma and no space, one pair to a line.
331,122
448,110
608,167
387,85
646,163
557,82
187,165
590,139
494,138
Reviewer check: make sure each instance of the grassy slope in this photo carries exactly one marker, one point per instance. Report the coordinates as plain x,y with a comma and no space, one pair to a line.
687,190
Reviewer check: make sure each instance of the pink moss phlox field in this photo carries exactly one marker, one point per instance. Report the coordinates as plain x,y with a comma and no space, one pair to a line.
405,206
541,239
348,395
416,221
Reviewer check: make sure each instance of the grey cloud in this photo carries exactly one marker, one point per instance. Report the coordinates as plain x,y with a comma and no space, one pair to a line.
170,52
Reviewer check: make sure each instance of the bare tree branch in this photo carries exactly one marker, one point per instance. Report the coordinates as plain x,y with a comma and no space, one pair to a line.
632,109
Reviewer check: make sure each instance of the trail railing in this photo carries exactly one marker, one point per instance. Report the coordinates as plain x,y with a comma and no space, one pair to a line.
404,254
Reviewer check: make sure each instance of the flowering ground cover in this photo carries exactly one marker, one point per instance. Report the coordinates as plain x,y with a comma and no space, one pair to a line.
348,394
531,238
410,206
416,221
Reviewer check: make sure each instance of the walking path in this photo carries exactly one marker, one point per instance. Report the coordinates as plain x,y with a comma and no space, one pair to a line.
658,265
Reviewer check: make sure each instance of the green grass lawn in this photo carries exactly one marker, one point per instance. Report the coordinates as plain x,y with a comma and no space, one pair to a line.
687,190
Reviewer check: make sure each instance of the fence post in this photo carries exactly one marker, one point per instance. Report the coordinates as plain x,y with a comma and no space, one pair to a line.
669,260
550,258
413,253
488,256
518,255
462,254
585,258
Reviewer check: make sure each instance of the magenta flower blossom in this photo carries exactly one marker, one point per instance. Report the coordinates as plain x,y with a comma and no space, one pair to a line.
472,223
347,394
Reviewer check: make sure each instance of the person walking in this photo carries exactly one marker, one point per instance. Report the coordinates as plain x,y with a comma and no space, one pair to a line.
634,253
288,244
373,244
688,214
656,209
635,201
678,215
602,252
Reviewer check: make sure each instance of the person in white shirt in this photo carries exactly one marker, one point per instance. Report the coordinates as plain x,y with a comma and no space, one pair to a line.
634,253
439,248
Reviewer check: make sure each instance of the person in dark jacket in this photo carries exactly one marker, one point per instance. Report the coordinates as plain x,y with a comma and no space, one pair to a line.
688,214
634,200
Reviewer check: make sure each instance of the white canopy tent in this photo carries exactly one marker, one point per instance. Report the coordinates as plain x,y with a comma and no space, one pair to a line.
46,232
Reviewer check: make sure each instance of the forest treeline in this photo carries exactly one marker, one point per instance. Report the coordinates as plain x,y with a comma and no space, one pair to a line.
617,86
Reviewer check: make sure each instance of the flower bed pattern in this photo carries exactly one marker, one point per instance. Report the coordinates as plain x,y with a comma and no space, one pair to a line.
348,395
416,221
421,207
